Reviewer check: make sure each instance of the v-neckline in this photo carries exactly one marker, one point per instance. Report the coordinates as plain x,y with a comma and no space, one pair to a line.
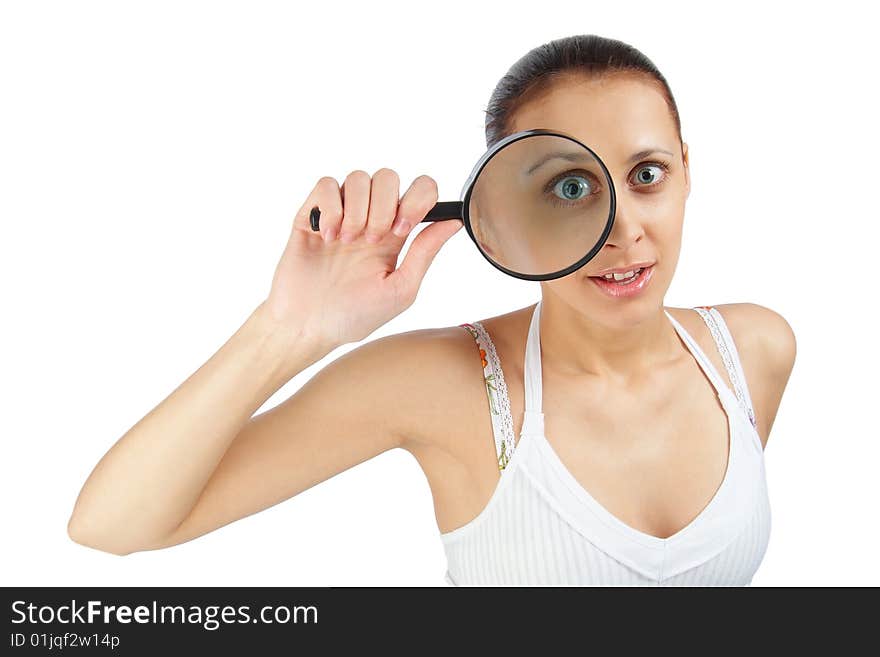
580,492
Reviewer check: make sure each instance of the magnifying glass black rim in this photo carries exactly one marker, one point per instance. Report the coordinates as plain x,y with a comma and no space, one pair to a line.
466,215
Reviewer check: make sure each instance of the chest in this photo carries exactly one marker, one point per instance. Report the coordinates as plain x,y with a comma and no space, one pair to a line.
653,456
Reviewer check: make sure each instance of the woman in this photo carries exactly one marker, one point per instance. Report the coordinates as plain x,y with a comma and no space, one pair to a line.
623,441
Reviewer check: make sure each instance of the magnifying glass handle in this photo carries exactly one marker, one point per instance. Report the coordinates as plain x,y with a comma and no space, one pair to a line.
442,211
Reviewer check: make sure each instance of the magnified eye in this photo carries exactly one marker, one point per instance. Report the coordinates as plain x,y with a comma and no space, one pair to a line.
570,188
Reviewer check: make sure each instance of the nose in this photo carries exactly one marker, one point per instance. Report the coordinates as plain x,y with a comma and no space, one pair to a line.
626,232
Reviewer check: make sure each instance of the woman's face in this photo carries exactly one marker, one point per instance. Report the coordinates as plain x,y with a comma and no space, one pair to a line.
618,116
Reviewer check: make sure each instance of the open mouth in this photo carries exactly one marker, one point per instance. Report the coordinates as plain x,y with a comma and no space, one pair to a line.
624,278
624,284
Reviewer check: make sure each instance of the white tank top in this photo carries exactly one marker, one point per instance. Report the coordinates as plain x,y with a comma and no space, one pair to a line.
542,527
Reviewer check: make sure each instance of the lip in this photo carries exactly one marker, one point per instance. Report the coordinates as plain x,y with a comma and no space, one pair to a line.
625,291
621,270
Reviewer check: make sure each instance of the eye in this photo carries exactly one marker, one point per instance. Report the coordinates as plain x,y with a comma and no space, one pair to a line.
652,174
570,188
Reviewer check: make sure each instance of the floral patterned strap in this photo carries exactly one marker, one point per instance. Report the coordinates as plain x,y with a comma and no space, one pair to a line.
727,349
496,390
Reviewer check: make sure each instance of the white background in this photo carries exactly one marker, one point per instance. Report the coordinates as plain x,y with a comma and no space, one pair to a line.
152,156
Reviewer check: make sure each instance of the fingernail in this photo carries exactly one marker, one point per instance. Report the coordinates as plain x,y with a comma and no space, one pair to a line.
400,227
372,238
330,235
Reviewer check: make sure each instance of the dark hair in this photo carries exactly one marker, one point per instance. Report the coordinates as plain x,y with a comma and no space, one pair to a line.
585,54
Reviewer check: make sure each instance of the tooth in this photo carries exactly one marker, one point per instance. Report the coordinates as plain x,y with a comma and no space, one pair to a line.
609,276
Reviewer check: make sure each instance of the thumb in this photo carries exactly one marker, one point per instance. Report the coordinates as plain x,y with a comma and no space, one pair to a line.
421,253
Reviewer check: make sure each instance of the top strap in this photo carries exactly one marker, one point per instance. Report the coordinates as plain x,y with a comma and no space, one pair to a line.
496,390
727,348
533,385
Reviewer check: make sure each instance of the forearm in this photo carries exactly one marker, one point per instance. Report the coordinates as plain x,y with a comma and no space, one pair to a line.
149,481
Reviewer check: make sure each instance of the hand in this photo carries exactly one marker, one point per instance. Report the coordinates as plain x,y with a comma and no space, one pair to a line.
341,289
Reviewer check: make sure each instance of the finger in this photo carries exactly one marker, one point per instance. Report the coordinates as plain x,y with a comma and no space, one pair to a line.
325,196
356,203
421,254
416,202
384,196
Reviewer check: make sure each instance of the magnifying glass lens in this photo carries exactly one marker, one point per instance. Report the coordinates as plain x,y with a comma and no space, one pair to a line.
540,205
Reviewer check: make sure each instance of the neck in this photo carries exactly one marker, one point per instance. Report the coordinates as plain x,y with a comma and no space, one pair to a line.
576,345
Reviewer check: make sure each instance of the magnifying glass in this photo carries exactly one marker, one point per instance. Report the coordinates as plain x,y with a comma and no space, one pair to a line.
539,205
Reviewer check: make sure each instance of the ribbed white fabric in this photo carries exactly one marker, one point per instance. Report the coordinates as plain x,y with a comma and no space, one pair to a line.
542,527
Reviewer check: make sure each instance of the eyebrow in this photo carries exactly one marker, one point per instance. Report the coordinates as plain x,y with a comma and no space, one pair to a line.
645,153
569,156
575,156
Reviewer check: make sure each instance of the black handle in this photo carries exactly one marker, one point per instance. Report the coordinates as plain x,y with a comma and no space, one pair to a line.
442,211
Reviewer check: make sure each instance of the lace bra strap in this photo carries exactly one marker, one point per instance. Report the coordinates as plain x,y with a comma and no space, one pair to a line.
496,390
726,347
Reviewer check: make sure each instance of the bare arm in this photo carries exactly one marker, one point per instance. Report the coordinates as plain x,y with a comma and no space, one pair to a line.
147,483
199,460
357,407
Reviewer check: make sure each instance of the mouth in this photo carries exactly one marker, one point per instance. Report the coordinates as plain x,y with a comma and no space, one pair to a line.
624,283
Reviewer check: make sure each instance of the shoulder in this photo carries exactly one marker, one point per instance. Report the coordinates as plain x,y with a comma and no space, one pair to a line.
757,331
442,368
423,355
767,348
441,353
763,333
428,372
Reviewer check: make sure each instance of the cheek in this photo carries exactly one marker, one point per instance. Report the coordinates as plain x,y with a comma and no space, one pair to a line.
664,217
667,239
664,225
